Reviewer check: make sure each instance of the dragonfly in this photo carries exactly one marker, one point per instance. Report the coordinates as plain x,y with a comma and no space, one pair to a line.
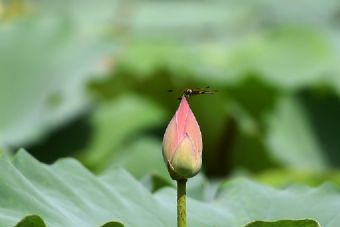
188,92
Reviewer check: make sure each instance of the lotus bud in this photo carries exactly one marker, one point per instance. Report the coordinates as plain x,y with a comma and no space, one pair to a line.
182,144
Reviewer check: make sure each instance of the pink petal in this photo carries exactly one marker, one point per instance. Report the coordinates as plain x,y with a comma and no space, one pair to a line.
181,118
193,131
170,140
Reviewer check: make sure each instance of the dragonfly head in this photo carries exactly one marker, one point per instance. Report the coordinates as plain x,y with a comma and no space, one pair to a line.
188,92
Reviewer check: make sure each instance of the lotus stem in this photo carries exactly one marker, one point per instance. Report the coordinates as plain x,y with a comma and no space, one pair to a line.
181,203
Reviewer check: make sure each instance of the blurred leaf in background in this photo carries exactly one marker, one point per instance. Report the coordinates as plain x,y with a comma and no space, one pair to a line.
46,59
118,122
274,63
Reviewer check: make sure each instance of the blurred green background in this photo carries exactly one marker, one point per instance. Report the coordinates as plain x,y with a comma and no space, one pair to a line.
89,79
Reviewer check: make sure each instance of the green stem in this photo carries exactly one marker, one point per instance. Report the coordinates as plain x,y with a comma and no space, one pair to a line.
181,203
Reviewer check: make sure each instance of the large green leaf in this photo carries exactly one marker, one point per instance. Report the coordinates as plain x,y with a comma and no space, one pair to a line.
31,221
285,223
66,194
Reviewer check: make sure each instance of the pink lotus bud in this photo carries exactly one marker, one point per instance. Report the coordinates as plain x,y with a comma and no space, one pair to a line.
182,144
